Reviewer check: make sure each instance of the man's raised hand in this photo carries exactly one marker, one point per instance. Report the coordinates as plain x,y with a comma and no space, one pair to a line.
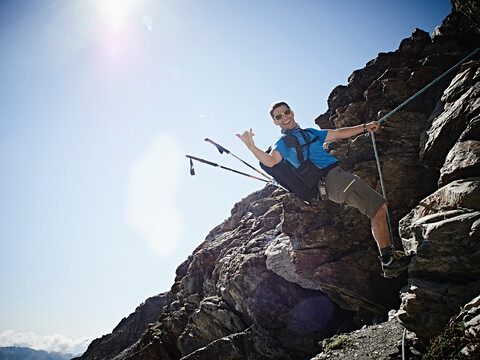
247,138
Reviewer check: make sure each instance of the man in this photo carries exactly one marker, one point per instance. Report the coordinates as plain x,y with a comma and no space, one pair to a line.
341,185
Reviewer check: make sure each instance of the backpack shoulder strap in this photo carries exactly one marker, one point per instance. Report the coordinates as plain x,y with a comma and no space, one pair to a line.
292,142
307,140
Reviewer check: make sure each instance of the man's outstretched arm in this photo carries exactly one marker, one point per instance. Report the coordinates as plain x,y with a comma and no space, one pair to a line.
267,159
346,132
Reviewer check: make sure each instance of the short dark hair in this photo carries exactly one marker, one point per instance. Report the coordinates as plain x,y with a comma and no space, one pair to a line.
276,105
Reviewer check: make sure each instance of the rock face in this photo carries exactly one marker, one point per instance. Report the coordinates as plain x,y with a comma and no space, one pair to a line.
444,231
128,331
227,304
280,275
444,228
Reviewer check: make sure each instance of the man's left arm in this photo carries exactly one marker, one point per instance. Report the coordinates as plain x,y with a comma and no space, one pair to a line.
346,132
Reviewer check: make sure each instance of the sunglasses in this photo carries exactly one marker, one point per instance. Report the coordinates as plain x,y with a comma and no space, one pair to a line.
286,112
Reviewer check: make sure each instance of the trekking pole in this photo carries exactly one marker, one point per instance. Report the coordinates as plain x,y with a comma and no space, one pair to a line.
221,149
192,171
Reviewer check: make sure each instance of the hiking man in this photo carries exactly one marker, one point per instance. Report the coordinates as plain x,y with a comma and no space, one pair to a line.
341,186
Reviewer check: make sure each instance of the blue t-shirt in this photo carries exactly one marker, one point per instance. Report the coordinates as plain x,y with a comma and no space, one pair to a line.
317,154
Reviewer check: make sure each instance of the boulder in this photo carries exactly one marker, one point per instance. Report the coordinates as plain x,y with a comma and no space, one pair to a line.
444,232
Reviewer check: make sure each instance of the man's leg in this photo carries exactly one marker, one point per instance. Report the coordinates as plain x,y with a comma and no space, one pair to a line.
380,230
391,266
344,187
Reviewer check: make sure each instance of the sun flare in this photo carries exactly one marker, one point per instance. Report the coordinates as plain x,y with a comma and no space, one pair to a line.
115,12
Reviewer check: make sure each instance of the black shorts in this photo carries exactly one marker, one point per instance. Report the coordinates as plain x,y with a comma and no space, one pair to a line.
343,187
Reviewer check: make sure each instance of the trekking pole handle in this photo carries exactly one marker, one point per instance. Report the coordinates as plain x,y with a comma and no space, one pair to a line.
224,167
220,148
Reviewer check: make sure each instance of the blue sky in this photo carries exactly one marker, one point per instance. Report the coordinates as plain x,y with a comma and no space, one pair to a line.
100,100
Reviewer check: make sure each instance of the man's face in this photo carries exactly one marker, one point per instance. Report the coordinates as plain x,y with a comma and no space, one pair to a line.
286,122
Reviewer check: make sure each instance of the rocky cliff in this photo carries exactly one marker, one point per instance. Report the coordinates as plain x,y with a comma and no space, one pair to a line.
128,331
278,276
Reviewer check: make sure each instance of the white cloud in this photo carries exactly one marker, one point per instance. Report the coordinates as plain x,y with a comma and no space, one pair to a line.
50,343
154,182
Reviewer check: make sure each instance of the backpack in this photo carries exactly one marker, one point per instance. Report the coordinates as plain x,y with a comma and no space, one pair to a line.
302,181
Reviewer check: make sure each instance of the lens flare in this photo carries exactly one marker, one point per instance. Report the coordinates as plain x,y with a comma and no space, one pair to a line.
154,182
115,12
311,315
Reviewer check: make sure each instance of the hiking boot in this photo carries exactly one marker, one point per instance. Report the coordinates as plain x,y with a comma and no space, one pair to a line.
394,266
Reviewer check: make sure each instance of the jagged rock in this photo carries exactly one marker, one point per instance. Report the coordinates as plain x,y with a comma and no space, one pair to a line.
238,346
461,107
226,296
444,231
127,332
444,228
460,338
462,161
470,316
279,260
386,82
213,319
342,263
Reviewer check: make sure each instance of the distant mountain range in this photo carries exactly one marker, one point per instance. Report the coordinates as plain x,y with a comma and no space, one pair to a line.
23,353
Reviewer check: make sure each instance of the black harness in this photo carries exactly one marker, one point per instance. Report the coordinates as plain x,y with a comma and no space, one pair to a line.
302,181
292,142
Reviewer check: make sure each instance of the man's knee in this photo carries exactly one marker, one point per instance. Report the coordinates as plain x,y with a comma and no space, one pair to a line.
381,212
